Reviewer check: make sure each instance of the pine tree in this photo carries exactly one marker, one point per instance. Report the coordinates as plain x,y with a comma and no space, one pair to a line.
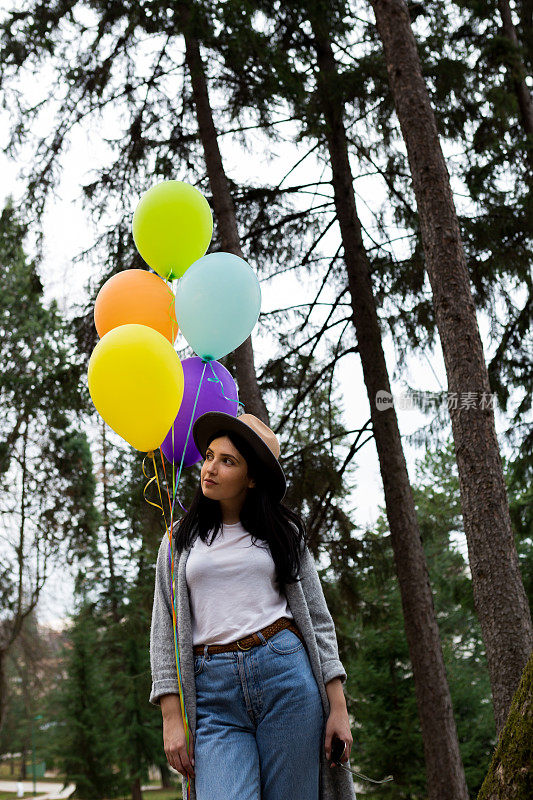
311,30
387,735
141,743
45,462
86,739
500,598
137,529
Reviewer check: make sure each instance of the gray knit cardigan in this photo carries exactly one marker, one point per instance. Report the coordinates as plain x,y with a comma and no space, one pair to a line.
308,606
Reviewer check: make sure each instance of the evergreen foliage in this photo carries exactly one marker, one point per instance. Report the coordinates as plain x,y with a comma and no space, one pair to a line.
42,396
46,479
86,741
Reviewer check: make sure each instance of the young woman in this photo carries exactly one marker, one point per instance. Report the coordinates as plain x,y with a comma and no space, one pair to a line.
265,697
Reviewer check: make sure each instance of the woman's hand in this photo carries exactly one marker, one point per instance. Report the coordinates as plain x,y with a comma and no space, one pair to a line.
338,723
175,744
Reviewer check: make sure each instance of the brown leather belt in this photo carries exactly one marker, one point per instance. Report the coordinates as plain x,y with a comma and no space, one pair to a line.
252,639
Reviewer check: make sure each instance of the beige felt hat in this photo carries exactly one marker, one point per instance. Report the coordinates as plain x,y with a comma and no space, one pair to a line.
258,435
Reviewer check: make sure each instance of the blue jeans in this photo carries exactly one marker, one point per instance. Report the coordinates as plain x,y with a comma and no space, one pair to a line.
259,723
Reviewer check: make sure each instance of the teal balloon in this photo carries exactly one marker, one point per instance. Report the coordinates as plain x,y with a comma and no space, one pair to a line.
218,300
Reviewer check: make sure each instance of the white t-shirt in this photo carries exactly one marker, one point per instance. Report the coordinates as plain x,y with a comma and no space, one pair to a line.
232,587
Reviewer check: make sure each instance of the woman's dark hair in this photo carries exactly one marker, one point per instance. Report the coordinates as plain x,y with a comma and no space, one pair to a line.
265,518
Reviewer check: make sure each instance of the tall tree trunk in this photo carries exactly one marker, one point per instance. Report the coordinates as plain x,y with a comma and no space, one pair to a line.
166,782
249,391
499,595
107,529
517,71
17,622
136,793
524,9
445,774
3,686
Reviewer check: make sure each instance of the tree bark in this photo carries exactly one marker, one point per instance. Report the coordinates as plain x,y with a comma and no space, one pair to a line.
499,595
107,529
136,793
166,782
510,773
3,686
445,774
249,391
524,9
517,70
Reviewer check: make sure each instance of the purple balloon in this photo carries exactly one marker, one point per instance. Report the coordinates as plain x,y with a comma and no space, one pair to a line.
210,398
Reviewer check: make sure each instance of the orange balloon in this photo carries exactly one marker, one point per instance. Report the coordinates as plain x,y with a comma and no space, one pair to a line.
136,296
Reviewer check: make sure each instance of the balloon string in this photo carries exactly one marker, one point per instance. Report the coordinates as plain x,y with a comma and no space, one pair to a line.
173,467
173,324
181,505
216,379
156,505
184,715
187,438
166,484
171,557
156,476
172,317
174,611
172,587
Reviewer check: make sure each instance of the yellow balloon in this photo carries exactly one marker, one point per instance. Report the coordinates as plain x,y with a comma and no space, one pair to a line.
136,384
172,227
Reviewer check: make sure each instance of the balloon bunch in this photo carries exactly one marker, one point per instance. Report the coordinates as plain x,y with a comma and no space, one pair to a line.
136,380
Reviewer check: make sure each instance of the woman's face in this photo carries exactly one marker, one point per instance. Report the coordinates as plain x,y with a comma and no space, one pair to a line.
224,474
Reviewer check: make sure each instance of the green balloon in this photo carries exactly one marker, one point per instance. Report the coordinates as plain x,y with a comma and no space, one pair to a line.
172,227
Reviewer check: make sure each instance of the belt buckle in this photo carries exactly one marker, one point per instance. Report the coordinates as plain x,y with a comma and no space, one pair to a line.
241,647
